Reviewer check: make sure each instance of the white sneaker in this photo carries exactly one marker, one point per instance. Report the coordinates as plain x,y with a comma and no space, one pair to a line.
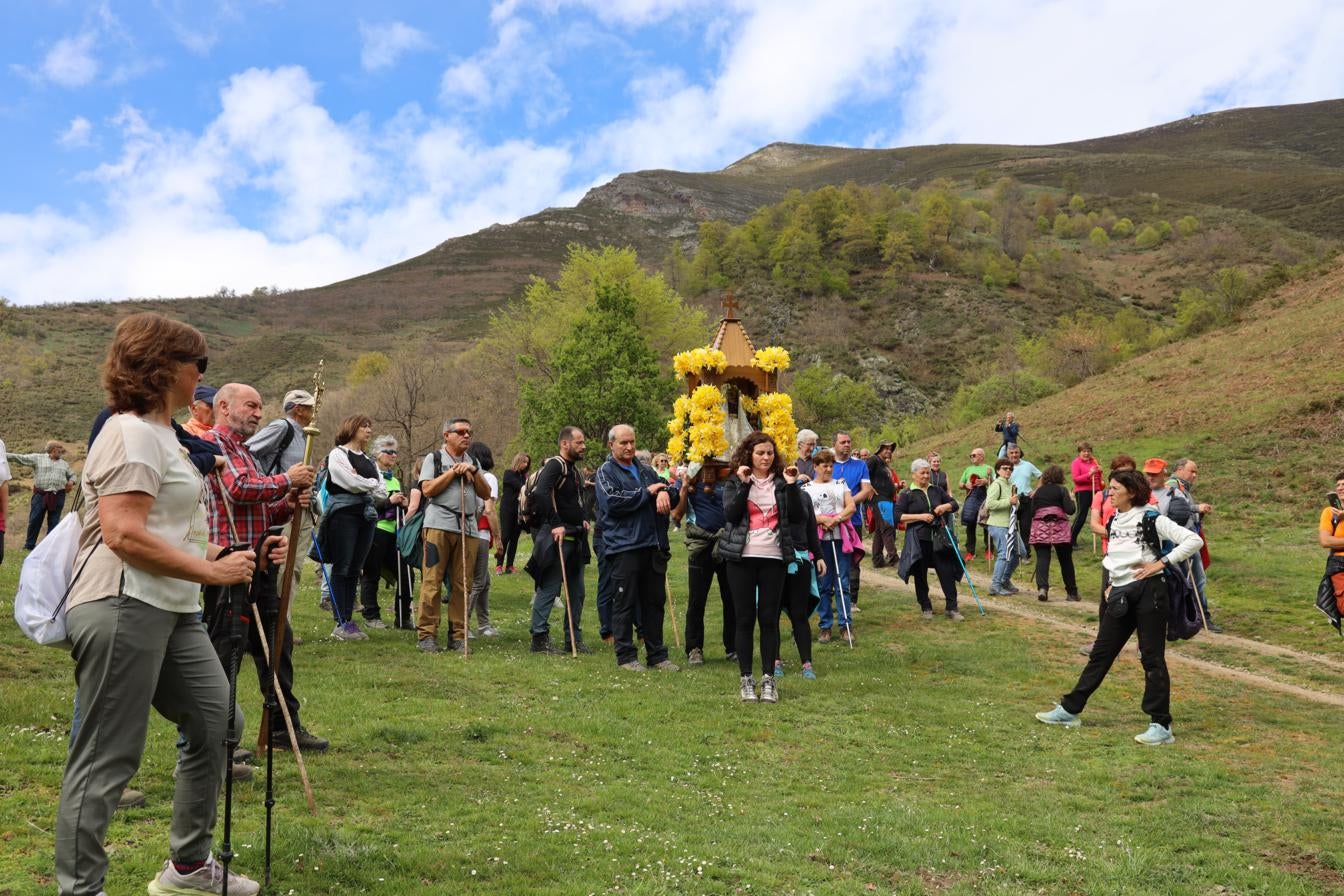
375,623
768,692
209,878
748,689
1156,736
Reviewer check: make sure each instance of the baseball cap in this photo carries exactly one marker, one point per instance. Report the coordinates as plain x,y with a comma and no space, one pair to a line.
204,393
296,397
1154,465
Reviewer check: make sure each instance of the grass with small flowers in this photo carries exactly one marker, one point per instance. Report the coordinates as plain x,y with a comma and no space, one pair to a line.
912,765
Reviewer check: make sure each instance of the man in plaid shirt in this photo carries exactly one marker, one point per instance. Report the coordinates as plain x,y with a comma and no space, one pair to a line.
243,504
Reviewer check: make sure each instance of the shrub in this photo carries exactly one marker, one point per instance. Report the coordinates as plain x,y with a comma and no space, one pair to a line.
1148,237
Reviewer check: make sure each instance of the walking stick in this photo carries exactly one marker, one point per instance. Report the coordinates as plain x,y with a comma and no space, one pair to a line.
284,713
569,610
1199,604
844,605
672,609
966,572
398,618
230,739
462,549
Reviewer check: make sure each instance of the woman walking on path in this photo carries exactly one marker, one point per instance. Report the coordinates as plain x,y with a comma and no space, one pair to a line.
1135,601
1086,474
355,486
833,506
510,528
1051,509
760,502
133,616
974,481
702,499
800,586
922,507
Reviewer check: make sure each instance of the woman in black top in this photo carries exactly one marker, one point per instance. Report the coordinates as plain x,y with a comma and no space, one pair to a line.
515,477
923,508
346,534
1052,508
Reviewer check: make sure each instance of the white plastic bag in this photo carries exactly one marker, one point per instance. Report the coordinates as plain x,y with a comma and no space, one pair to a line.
45,582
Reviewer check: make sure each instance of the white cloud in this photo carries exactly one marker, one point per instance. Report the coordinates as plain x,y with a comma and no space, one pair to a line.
519,63
383,45
70,61
78,134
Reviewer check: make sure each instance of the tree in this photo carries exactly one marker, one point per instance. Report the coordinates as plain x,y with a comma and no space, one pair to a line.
829,401
1062,228
1196,312
1187,226
1099,240
604,373
796,260
1232,290
1148,237
368,366
1123,228
1077,203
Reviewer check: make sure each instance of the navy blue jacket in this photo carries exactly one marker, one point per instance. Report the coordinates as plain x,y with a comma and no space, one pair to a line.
627,515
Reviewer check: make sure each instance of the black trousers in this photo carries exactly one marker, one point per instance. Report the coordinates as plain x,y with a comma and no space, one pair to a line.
798,603
884,543
757,586
383,554
970,537
701,571
1148,616
509,533
638,579
1084,500
1065,553
269,616
945,565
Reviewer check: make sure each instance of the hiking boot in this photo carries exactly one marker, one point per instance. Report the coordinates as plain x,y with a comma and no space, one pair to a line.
240,771
748,691
581,648
696,657
768,692
241,755
632,666
848,634
996,591
1215,627
1086,649
667,666
926,614
1072,596
308,742
375,624
488,631
130,799
808,673
1059,716
1011,588
209,878
542,644
779,668
1156,736
824,636
955,616
324,605
457,645
1043,594
429,645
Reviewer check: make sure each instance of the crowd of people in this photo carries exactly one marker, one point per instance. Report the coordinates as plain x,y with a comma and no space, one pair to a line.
780,532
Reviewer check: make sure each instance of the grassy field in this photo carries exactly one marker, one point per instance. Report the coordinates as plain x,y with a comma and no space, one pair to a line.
912,765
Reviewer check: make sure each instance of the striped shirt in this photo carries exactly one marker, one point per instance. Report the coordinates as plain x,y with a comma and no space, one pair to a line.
48,475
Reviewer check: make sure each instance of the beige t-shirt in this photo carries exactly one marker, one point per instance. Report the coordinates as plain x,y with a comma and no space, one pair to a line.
134,455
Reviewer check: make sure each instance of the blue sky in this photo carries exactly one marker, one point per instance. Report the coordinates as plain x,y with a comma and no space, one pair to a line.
171,147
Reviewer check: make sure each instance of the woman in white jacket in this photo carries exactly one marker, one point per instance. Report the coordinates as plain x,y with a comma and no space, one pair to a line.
1135,601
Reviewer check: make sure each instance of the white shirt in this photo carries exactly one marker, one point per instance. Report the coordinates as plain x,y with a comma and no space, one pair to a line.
1126,552
5,475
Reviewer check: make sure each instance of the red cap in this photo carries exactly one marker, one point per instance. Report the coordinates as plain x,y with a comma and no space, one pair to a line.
1154,465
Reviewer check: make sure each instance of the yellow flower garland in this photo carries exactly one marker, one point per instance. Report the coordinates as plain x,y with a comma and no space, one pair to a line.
696,426
777,420
698,360
771,359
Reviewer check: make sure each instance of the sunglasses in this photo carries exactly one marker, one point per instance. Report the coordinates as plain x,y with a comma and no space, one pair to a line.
458,432
392,451
201,363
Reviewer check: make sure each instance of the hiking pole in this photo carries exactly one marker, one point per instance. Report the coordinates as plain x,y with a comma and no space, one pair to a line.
671,608
569,609
235,602
284,711
844,605
400,606
956,549
1199,604
462,549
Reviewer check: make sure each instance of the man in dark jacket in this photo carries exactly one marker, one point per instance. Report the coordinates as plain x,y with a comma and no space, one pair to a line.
631,499
884,493
557,501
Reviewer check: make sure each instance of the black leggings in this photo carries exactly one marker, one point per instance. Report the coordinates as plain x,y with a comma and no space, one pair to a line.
757,586
946,566
509,534
1065,553
798,604
1084,500
970,537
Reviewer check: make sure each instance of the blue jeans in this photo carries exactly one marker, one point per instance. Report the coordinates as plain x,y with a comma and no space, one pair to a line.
37,512
834,584
1003,564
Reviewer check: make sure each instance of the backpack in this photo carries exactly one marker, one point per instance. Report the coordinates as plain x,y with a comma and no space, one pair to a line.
530,514
1184,619
274,466
409,542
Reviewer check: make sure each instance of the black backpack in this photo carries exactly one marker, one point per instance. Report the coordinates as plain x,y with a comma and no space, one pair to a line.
530,514
1184,619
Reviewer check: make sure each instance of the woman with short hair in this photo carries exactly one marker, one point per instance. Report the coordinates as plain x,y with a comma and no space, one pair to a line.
383,556
356,491
974,481
923,507
1051,508
1136,600
1086,473
133,617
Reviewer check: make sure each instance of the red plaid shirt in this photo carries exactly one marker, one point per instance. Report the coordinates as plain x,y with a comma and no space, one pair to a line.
258,502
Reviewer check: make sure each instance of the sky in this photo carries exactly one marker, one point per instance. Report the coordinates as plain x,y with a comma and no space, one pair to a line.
177,147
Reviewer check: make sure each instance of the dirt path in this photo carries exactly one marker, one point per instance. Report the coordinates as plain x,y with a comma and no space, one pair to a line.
1086,631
